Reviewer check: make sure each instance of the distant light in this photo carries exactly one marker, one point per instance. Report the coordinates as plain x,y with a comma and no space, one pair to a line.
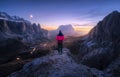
34,49
31,52
31,16
44,45
17,58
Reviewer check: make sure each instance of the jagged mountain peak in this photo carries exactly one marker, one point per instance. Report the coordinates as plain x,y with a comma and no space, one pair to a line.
5,16
111,23
116,12
102,45
108,27
3,13
19,26
67,28
113,15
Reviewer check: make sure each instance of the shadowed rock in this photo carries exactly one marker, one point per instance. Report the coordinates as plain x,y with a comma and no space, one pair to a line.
102,44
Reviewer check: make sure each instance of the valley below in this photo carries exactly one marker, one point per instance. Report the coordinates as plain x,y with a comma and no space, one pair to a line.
32,52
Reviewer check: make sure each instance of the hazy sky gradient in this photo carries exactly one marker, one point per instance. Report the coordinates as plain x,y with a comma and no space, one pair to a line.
57,12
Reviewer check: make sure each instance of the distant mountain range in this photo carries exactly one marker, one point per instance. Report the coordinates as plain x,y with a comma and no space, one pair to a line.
16,27
5,16
67,30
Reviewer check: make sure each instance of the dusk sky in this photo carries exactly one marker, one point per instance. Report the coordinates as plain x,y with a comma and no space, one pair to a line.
58,12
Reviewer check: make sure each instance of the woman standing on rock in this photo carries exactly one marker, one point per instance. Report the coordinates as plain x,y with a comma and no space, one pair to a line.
60,38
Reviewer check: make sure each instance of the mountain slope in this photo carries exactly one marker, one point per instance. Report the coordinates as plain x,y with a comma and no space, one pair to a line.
102,44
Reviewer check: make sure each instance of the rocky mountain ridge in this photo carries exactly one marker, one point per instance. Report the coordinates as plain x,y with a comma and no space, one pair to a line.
101,46
18,27
15,33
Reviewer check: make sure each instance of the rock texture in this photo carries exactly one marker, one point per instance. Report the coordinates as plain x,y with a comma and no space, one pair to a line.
15,32
102,44
18,27
55,65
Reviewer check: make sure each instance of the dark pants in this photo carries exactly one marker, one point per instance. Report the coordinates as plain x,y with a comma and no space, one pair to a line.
60,48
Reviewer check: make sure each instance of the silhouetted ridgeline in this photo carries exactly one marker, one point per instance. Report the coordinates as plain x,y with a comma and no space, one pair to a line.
15,32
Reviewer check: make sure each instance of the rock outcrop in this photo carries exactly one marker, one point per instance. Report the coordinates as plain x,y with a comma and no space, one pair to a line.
102,44
55,65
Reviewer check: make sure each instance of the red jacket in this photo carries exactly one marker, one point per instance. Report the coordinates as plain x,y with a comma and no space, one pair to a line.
60,38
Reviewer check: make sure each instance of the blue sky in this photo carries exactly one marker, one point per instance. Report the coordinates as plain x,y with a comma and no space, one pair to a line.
57,12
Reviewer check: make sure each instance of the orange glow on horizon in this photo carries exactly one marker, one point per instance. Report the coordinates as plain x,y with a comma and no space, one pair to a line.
50,27
83,29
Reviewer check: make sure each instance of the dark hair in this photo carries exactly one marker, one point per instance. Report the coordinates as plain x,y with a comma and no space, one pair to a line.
60,33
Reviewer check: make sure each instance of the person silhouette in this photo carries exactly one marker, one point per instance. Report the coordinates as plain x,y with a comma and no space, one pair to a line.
60,38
